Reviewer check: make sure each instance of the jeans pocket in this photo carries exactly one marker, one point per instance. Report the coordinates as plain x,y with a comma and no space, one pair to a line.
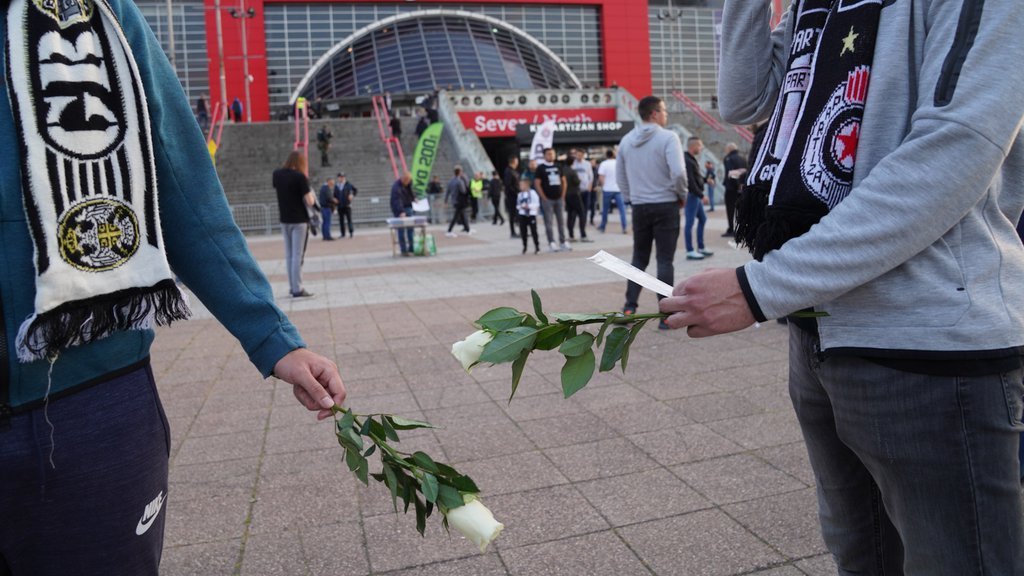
1013,389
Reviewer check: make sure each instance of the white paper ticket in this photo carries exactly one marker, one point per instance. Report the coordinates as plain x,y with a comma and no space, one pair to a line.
630,272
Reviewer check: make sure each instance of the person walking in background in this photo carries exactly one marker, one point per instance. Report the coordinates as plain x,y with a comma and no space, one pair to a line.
344,193
327,205
610,193
435,199
456,194
323,143
402,198
294,198
551,184
494,191
585,172
511,180
574,203
735,167
528,206
651,175
694,208
710,180
591,207
899,251
202,114
236,110
396,127
476,193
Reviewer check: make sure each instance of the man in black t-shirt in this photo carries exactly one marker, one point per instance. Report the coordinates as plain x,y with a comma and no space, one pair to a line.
511,181
550,183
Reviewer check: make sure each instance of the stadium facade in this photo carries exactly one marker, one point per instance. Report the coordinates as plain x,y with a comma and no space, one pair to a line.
267,52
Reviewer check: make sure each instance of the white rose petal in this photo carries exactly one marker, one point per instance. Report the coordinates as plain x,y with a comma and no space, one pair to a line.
475,522
468,351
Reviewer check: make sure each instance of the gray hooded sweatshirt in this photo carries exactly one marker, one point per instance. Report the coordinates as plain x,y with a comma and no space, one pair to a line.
923,254
650,166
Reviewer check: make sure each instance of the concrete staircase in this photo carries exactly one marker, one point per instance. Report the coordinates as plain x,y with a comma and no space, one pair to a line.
249,153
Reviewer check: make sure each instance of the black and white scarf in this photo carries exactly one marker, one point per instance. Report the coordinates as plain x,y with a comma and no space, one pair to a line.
804,167
88,177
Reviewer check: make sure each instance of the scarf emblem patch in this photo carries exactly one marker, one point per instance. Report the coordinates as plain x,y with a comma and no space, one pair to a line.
66,12
826,166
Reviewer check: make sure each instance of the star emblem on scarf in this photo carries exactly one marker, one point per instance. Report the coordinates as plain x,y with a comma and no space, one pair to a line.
845,146
848,42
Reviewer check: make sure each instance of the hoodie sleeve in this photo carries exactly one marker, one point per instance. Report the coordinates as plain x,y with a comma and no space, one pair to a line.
676,166
753,60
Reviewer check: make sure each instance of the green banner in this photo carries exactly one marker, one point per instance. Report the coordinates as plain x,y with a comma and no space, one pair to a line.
423,158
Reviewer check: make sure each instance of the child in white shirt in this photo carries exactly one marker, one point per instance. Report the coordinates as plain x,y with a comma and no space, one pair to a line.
528,206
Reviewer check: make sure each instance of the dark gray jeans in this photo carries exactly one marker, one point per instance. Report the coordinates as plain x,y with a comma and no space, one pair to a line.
657,225
916,474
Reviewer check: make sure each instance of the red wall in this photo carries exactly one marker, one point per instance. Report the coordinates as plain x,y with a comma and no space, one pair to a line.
624,37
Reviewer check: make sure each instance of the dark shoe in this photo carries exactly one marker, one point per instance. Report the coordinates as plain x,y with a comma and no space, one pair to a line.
728,234
628,310
303,294
588,240
524,249
662,325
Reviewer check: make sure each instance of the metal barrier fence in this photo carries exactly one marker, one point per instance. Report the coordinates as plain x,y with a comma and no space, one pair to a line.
366,211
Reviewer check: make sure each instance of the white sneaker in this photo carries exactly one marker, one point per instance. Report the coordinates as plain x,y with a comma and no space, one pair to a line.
566,247
451,235
554,247
694,255
471,232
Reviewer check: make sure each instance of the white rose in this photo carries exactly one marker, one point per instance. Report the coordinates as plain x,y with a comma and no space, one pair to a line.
475,522
468,351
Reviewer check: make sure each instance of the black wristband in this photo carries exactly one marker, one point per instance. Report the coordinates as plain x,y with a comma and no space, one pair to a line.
755,308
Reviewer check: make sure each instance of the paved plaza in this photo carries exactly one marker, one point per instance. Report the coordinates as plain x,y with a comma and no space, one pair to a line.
691,463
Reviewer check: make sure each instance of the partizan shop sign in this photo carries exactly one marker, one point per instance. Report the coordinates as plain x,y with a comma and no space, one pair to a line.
578,132
504,123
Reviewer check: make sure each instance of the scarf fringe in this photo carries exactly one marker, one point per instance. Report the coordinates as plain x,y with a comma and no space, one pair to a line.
84,321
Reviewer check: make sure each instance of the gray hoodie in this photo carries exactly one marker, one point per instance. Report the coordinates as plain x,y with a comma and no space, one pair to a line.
650,166
923,254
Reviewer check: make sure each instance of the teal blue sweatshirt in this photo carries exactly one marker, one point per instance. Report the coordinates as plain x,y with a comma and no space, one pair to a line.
204,247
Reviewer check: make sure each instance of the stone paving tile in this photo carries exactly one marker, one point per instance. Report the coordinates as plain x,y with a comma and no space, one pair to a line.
736,478
760,430
791,458
307,468
610,397
291,508
567,430
530,408
640,497
599,459
335,549
219,448
787,521
542,515
823,565
644,417
487,565
673,387
782,571
706,543
207,519
393,543
219,423
450,397
716,406
478,438
187,482
601,554
208,559
274,554
301,438
684,444
513,473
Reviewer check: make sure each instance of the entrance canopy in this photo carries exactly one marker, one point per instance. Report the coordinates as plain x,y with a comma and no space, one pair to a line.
434,49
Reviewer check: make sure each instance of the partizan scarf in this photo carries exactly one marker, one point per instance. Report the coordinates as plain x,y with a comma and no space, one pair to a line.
804,167
88,177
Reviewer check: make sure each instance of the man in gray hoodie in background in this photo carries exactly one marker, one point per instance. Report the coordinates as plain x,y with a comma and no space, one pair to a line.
652,177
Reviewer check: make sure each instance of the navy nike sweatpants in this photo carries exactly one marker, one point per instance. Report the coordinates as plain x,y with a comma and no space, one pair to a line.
99,509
